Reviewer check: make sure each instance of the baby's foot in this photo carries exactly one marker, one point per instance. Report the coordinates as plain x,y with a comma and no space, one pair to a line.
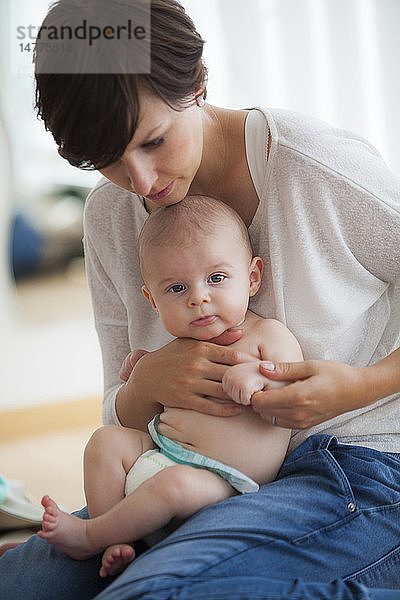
115,559
66,532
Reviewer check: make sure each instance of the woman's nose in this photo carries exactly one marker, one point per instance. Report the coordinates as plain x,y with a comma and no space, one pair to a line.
141,174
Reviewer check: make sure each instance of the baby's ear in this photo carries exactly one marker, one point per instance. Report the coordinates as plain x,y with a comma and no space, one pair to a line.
147,294
255,275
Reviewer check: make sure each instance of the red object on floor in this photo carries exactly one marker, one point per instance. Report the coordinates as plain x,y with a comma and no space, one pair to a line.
9,546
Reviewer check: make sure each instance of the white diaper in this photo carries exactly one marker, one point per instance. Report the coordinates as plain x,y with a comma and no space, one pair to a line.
147,465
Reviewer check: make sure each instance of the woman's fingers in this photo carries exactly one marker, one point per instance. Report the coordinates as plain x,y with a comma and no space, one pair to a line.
284,371
319,390
291,406
225,355
211,389
209,406
217,409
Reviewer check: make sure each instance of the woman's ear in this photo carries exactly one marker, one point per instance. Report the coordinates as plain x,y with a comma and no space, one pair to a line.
255,275
201,94
147,294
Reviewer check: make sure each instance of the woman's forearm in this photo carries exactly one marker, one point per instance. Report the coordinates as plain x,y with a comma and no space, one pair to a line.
132,409
383,378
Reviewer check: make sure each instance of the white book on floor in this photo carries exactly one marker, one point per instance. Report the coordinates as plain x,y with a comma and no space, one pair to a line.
17,510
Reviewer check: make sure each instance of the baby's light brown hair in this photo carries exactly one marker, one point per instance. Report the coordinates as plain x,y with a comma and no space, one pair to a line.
186,222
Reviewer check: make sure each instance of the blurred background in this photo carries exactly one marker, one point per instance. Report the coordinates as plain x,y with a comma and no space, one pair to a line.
334,59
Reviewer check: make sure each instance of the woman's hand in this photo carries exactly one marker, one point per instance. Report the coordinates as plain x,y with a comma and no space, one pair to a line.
227,337
185,373
318,390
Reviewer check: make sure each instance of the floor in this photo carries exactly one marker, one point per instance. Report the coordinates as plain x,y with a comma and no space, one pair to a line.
47,464
52,462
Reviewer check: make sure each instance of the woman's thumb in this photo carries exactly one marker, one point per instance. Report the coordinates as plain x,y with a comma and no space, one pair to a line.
285,371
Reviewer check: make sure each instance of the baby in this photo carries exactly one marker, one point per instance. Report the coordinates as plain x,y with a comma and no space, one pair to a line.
198,273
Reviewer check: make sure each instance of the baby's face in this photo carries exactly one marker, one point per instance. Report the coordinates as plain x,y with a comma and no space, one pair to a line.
202,289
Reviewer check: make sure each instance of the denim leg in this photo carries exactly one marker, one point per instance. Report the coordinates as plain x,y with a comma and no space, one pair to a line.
332,515
246,588
261,588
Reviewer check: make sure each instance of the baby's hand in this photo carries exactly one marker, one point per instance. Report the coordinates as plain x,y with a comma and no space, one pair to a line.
129,362
241,381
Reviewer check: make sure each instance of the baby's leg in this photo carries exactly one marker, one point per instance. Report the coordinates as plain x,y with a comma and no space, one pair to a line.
109,455
177,491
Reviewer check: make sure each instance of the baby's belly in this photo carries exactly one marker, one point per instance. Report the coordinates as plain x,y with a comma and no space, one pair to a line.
244,442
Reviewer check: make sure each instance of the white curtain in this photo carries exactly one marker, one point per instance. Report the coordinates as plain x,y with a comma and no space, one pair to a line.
335,59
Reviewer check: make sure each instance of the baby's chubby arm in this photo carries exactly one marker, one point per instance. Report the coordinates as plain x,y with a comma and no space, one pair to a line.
241,381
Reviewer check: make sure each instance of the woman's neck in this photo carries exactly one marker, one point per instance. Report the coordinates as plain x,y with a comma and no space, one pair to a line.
223,172
213,161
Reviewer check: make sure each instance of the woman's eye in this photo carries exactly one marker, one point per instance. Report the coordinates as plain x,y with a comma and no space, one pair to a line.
178,287
154,143
217,278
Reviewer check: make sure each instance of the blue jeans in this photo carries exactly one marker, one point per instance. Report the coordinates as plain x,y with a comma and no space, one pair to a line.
328,527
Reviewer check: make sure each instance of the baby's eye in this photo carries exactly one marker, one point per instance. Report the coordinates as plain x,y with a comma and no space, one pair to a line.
176,288
217,278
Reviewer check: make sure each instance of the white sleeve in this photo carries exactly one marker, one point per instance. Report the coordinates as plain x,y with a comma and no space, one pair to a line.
112,220
111,326
369,217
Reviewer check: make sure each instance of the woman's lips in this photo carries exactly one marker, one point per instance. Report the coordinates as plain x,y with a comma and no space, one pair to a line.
204,321
162,194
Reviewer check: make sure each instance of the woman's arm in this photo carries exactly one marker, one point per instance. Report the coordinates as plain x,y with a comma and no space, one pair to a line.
321,390
355,247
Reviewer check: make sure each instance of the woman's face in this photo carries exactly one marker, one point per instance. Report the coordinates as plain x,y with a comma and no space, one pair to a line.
162,159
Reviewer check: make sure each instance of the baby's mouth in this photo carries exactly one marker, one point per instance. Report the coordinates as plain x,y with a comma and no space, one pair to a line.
202,321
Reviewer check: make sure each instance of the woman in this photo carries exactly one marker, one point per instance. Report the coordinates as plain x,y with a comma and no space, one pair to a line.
323,212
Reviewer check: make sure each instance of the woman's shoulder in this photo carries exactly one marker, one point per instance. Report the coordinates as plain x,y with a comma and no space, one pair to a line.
312,148
105,195
109,206
314,137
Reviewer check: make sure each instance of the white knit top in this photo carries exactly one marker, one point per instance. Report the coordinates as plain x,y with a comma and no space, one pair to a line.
328,230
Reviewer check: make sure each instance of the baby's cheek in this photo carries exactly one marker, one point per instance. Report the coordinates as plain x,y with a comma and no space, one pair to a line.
235,312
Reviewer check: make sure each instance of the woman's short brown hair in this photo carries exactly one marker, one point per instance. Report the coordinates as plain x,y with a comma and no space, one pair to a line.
94,116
